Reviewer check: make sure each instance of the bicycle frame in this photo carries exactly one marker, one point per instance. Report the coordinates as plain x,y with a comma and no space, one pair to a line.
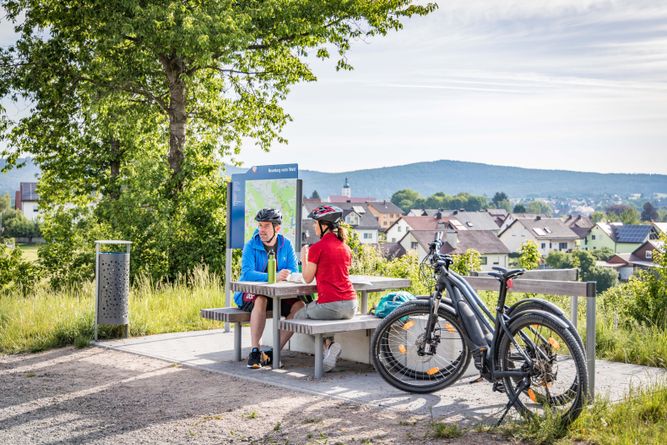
461,293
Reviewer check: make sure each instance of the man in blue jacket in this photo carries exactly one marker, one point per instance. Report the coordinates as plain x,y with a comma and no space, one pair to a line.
254,264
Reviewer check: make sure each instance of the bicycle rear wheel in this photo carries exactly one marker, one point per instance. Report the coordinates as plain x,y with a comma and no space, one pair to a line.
558,380
396,346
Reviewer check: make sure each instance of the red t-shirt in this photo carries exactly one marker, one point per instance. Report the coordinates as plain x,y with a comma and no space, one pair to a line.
333,259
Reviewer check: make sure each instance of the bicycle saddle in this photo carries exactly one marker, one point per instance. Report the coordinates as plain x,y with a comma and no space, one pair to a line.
504,274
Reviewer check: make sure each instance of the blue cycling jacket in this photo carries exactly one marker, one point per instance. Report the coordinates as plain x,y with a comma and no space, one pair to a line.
255,260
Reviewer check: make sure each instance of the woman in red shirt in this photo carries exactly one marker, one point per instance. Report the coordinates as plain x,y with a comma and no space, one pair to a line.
328,261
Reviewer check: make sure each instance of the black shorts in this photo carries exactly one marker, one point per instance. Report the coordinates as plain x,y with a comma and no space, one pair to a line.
285,305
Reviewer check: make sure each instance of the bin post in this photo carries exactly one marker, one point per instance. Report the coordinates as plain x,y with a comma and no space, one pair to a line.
112,285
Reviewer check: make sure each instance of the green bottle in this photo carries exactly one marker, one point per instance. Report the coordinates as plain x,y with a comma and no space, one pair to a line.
272,267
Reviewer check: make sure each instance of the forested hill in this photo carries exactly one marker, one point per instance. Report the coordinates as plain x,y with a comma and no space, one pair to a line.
450,177
453,177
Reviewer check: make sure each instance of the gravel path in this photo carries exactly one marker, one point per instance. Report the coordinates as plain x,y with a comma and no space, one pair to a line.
102,396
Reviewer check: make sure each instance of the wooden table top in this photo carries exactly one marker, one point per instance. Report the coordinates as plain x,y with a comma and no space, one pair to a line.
290,289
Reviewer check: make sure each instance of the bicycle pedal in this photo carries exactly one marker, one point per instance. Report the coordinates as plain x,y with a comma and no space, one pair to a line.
499,387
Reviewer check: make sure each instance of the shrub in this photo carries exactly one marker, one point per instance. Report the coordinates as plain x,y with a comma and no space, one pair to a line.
16,274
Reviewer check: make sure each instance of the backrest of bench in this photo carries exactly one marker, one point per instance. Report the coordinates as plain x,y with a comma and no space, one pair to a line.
312,327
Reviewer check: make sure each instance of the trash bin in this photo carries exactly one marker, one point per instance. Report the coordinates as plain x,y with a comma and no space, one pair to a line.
112,284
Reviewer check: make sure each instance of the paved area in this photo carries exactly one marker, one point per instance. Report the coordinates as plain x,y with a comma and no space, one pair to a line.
465,401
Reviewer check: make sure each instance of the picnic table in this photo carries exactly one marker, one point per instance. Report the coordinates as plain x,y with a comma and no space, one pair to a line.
363,284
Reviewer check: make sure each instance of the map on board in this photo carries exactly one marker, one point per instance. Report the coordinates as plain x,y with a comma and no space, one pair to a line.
271,193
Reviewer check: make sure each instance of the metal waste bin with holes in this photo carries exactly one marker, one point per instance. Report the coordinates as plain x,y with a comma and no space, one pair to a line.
112,284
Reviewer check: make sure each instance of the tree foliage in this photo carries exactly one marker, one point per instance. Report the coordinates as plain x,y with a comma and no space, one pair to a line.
649,291
501,201
134,105
649,213
408,199
623,213
529,255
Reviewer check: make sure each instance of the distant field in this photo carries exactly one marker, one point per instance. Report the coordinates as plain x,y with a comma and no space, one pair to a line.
29,251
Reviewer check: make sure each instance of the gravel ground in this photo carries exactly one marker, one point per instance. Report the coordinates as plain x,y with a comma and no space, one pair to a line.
102,396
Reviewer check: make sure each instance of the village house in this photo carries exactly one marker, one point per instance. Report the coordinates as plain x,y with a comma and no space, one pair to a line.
27,200
548,233
492,251
619,238
627,264
386,212
406,223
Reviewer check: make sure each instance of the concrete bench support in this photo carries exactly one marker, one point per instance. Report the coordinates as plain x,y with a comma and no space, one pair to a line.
318,328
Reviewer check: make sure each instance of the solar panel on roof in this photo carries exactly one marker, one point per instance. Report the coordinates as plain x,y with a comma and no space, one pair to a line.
632,233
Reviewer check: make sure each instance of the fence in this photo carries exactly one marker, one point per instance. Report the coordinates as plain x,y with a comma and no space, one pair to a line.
556,282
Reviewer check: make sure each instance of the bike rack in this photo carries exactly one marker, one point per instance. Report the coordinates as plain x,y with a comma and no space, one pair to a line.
573,289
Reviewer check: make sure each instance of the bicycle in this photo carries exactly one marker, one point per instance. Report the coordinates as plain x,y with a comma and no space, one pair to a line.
529,350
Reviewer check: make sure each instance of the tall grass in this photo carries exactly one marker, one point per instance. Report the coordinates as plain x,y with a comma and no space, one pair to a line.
640,418
50,319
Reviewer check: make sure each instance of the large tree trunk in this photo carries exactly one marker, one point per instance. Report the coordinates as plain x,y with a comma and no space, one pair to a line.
174,68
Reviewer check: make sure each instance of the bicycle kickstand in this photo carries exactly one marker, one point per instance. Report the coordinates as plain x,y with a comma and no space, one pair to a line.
513,400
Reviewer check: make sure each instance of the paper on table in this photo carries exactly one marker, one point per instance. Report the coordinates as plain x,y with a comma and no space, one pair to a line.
297,277
360,280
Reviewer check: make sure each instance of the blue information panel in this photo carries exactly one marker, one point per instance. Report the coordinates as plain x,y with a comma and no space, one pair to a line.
265,186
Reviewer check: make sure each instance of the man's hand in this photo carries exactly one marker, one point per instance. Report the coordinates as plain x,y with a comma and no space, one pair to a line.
304,254
283,274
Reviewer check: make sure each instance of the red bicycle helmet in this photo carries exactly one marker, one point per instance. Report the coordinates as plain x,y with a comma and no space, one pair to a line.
330,214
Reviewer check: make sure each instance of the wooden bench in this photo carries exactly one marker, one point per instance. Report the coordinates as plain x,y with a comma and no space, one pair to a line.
231,315
318,328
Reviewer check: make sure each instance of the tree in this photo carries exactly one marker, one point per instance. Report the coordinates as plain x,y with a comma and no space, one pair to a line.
406,199
604,277
598,216
649,213
215,71
559,260
519,208
315,195
623,213
466,262
529,255
134,105
501,201
539,207
585,261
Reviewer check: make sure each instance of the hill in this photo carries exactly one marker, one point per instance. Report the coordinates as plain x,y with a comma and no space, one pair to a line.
446,176
454,177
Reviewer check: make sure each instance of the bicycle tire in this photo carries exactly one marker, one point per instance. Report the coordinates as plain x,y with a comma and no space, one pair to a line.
541,305
559,377
394,348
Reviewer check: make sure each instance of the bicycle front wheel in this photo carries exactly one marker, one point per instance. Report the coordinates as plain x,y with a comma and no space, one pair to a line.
556,375
398,347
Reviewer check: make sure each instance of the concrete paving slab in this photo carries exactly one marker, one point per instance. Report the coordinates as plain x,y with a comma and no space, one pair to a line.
465,401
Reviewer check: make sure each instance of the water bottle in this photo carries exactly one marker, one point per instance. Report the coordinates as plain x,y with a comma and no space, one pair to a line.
272,267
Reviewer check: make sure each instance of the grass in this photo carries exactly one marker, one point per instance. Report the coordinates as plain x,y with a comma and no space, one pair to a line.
442,430
640,418
29,251
50,319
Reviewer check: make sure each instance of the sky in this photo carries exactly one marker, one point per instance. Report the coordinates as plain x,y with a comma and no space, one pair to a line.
552,84
558,84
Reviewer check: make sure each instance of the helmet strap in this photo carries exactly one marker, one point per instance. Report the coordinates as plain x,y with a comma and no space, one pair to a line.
324,230
274,234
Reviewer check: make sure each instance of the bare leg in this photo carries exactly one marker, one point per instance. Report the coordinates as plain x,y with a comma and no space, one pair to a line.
258,320
286,335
